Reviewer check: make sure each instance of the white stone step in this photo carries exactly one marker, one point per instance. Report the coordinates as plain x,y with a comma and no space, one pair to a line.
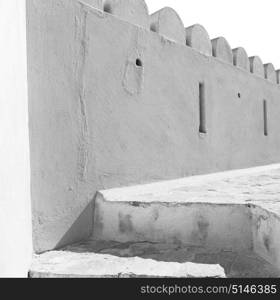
236,211
68,264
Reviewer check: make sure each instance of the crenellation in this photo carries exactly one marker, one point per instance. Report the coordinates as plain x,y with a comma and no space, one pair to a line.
133,11
256,66
168,23
278,76
198,38
240,58
222,50
270,73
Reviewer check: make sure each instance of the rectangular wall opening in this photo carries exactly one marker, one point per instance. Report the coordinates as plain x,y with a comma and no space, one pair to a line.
265,118
202,109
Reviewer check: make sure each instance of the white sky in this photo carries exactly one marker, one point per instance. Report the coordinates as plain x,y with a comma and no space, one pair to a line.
252,24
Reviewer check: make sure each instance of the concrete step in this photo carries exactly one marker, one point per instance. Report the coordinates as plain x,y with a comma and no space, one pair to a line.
241,265
237,211
217,225
93,258
70,264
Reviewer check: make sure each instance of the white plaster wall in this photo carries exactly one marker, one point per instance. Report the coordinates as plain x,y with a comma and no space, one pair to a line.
15,211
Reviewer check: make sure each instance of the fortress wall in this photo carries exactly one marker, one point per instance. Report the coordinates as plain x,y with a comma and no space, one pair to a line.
114,104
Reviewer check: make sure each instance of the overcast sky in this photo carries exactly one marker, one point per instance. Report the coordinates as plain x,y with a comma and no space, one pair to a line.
252,24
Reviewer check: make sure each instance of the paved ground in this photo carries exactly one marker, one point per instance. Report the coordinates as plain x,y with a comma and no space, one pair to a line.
235,264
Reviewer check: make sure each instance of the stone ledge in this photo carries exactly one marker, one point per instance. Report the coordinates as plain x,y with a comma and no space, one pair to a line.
259,186
58,264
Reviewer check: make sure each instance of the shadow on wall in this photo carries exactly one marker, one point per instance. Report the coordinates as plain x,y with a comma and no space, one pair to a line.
80,229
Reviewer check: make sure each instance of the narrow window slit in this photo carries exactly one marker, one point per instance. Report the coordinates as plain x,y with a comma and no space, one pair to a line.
153,28
265,118
139,62
202,109
107,8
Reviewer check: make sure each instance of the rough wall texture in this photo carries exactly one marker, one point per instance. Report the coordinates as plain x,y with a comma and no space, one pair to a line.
15,201
113,104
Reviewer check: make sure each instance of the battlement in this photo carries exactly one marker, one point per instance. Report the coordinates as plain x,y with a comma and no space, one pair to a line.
168,23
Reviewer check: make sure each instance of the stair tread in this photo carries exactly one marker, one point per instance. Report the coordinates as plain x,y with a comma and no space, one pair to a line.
94,265
257,186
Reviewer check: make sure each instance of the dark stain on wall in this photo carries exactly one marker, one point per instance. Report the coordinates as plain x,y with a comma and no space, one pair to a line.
125,223
267,242
203,226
